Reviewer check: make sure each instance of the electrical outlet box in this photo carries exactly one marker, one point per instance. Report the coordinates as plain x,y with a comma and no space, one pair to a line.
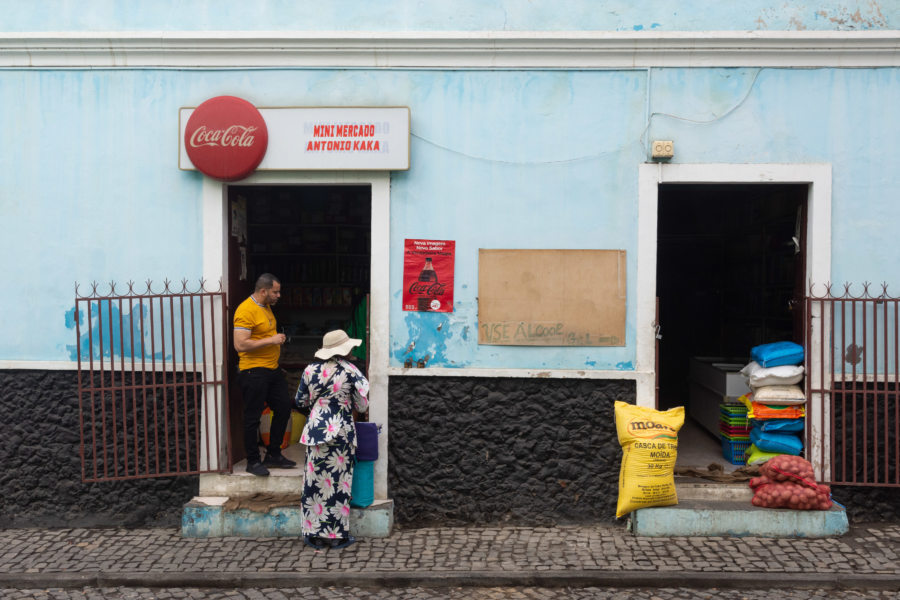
663,149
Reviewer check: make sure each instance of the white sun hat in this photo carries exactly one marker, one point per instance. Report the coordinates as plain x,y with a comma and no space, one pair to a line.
336,342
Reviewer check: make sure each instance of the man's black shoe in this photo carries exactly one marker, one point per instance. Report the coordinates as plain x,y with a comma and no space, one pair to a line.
279,461
257,468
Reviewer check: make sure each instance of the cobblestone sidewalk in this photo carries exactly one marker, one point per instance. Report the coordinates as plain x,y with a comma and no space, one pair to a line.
503,555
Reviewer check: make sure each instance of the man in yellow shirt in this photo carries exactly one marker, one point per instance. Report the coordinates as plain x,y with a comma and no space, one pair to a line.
262,382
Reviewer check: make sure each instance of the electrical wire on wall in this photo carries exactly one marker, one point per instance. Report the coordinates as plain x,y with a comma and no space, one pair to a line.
644,137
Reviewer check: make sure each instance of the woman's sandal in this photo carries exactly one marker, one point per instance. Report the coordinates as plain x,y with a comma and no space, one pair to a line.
347,541
313,542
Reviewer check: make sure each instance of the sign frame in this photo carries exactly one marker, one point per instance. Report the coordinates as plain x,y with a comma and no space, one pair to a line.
292,127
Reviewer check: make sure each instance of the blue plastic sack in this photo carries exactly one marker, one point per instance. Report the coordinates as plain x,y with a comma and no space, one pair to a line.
779,425
362,491
777,354
783,443
366,441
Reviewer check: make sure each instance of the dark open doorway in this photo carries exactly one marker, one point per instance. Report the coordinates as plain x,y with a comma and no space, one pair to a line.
317,240
730,275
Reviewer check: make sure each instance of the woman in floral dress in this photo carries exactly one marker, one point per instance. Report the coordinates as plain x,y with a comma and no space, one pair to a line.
331,390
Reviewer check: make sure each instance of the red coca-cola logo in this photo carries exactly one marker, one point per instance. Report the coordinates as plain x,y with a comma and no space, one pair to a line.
226,138
426,288
235,135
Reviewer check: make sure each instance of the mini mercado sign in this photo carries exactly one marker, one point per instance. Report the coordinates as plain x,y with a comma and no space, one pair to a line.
327,139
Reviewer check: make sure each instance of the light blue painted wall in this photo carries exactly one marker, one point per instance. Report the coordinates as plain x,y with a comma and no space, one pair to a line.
459,15
519,159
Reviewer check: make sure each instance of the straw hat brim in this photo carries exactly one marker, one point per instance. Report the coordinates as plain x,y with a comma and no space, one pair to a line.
339,350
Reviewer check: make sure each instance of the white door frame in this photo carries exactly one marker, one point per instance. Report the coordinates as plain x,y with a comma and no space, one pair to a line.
818,252
215,256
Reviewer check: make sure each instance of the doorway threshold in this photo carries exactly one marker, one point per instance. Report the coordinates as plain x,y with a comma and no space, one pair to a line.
240,483
698,449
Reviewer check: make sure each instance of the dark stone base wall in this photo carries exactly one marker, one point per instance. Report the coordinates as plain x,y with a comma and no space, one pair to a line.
868,504
531,451
462,451
40,478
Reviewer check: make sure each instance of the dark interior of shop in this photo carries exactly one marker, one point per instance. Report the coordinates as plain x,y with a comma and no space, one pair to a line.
317,241
730,264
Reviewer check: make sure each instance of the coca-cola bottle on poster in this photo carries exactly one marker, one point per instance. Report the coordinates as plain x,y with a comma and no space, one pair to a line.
427,276
428,273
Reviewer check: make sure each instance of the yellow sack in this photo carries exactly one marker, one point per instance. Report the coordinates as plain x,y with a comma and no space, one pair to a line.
649,440
298,422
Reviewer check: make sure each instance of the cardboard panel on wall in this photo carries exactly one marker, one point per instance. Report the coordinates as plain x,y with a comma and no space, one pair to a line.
551,297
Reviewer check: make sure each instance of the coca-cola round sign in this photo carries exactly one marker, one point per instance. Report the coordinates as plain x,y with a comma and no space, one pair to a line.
226,138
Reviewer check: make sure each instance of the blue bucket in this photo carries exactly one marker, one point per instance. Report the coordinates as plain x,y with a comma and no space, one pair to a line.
362,492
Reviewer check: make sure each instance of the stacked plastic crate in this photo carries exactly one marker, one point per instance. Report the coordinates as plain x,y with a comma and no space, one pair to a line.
734,427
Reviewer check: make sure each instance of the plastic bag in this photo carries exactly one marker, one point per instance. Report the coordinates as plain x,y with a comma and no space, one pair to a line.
777,354
756,410
779,425
782,443
298,422
758,376
649,440
756,456
265,424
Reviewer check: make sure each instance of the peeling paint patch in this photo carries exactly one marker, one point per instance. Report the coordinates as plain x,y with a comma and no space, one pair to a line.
845,18
638,27
426,336
121,334
542,374
591,363
625,366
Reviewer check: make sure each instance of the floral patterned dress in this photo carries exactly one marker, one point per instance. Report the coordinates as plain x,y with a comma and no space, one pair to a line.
331,390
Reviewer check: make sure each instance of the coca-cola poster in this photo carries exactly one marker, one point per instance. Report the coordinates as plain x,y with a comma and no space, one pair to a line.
428,275
226,138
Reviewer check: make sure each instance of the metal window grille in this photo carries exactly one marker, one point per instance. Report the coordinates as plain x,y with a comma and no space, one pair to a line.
853,386
152,382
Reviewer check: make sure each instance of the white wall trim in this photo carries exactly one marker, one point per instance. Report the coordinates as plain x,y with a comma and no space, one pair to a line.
818,246
450,50
39,365
516,373
214,257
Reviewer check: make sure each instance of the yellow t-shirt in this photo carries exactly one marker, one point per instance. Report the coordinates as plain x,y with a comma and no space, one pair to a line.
260,322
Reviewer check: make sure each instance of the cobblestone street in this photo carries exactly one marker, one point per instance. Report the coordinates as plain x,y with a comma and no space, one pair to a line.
456,562
469,593
865,550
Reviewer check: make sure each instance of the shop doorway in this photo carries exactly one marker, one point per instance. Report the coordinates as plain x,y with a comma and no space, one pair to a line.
317,240
730,274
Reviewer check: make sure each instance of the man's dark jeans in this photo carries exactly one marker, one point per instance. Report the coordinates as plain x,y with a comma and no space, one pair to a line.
259,387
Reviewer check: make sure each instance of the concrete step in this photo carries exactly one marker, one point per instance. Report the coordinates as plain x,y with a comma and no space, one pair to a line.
206,517
698,517
689,488
240,483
